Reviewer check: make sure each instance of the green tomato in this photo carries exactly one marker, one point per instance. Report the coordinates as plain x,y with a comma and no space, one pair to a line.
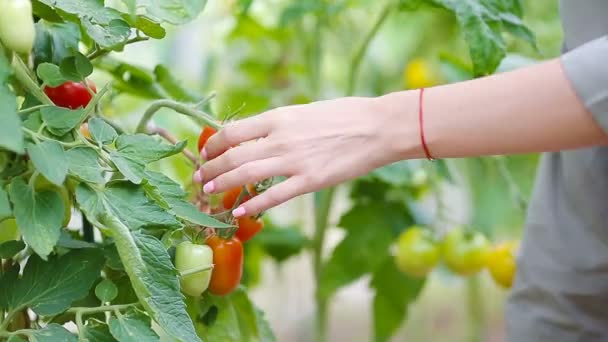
9,230
465,252
189,256
417,252
43,184
17,30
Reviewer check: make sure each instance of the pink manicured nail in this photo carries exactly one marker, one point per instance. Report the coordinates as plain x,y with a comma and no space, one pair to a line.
238,212
198,177
209,187
204,153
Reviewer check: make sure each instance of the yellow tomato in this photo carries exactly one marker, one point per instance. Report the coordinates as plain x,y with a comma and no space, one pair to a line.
501,263
419,73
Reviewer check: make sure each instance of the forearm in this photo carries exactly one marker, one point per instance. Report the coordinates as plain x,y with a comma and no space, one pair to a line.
533,109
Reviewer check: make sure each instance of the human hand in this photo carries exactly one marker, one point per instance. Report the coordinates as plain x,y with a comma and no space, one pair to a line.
315,146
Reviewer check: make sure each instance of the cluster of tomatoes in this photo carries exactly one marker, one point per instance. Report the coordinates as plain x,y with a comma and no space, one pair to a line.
222,249
464,252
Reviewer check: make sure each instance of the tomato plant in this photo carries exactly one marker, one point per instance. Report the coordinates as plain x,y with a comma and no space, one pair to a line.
465,252
230,197
228,264
206,133
194,259
248,227
71,94
417,252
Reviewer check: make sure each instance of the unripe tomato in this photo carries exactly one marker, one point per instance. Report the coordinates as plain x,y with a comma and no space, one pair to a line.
465,252
501,263
17,30
417,252
228,264
232,195
205,135
248,227
419,73
71,95
43,184
189,256
84,129
9,230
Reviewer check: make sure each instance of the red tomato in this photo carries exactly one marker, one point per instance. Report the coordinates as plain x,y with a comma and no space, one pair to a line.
228,264
248,227
205,135
232,195
71,94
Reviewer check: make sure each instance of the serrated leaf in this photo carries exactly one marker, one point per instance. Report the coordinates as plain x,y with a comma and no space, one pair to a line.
146,25
134,152
83,163
170,195
96,331
76,68
50,74
55,41
394,292
52,333
8,249
106,291
61,120
49,158
370,231
101,132
5,205
39,215
173,11
11,136
67,241
132,327
49,288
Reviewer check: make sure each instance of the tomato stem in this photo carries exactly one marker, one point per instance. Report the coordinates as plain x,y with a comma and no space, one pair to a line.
475,306
104,308
24,77
201,117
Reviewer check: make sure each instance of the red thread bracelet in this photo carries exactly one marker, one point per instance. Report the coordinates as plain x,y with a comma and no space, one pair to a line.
421,121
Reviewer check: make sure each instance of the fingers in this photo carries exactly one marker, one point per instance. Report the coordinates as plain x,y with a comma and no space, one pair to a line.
272,197
248,173
234,134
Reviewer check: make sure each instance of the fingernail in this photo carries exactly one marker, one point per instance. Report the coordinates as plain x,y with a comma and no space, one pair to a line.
204,153
198,176
209,187
238,212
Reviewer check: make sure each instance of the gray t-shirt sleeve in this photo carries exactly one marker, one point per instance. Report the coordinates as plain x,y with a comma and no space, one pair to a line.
587,68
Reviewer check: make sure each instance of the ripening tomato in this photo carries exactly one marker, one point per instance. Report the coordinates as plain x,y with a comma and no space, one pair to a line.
232,195
464,251
71,95
501,263
248,227
84,129
17,31
228,264
189,256
205,135
417,252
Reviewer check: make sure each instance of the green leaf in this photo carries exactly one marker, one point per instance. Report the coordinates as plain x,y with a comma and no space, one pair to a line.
170,195
134,152
370,231
67,241
49,288
5,206
15,338
106,291
49,158
126,201
11,136
101,132
281,243
50,74
132,327
444,171
173,11
394,292
76,68
97,331
61,120
9,248
83,163
52,333
39,215
174,87
146,25
55,41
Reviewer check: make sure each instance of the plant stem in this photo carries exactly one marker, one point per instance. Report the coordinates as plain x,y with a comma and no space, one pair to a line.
475,306
23,76
101,52
514,189
170,138
27,111
360,52
9,317
98,309
80,326
201,117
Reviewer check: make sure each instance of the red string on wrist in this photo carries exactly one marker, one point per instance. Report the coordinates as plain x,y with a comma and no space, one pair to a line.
427,153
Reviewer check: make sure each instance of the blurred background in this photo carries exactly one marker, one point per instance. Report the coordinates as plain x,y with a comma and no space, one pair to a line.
267,53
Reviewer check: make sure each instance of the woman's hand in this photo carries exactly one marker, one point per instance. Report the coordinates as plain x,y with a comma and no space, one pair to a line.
315,146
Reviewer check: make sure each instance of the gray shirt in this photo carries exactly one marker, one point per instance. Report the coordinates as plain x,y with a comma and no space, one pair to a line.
561,286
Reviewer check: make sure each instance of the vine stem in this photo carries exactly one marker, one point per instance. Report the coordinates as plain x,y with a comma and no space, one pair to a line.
9,318
101,52
201,117
514,189
98,309
24,77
